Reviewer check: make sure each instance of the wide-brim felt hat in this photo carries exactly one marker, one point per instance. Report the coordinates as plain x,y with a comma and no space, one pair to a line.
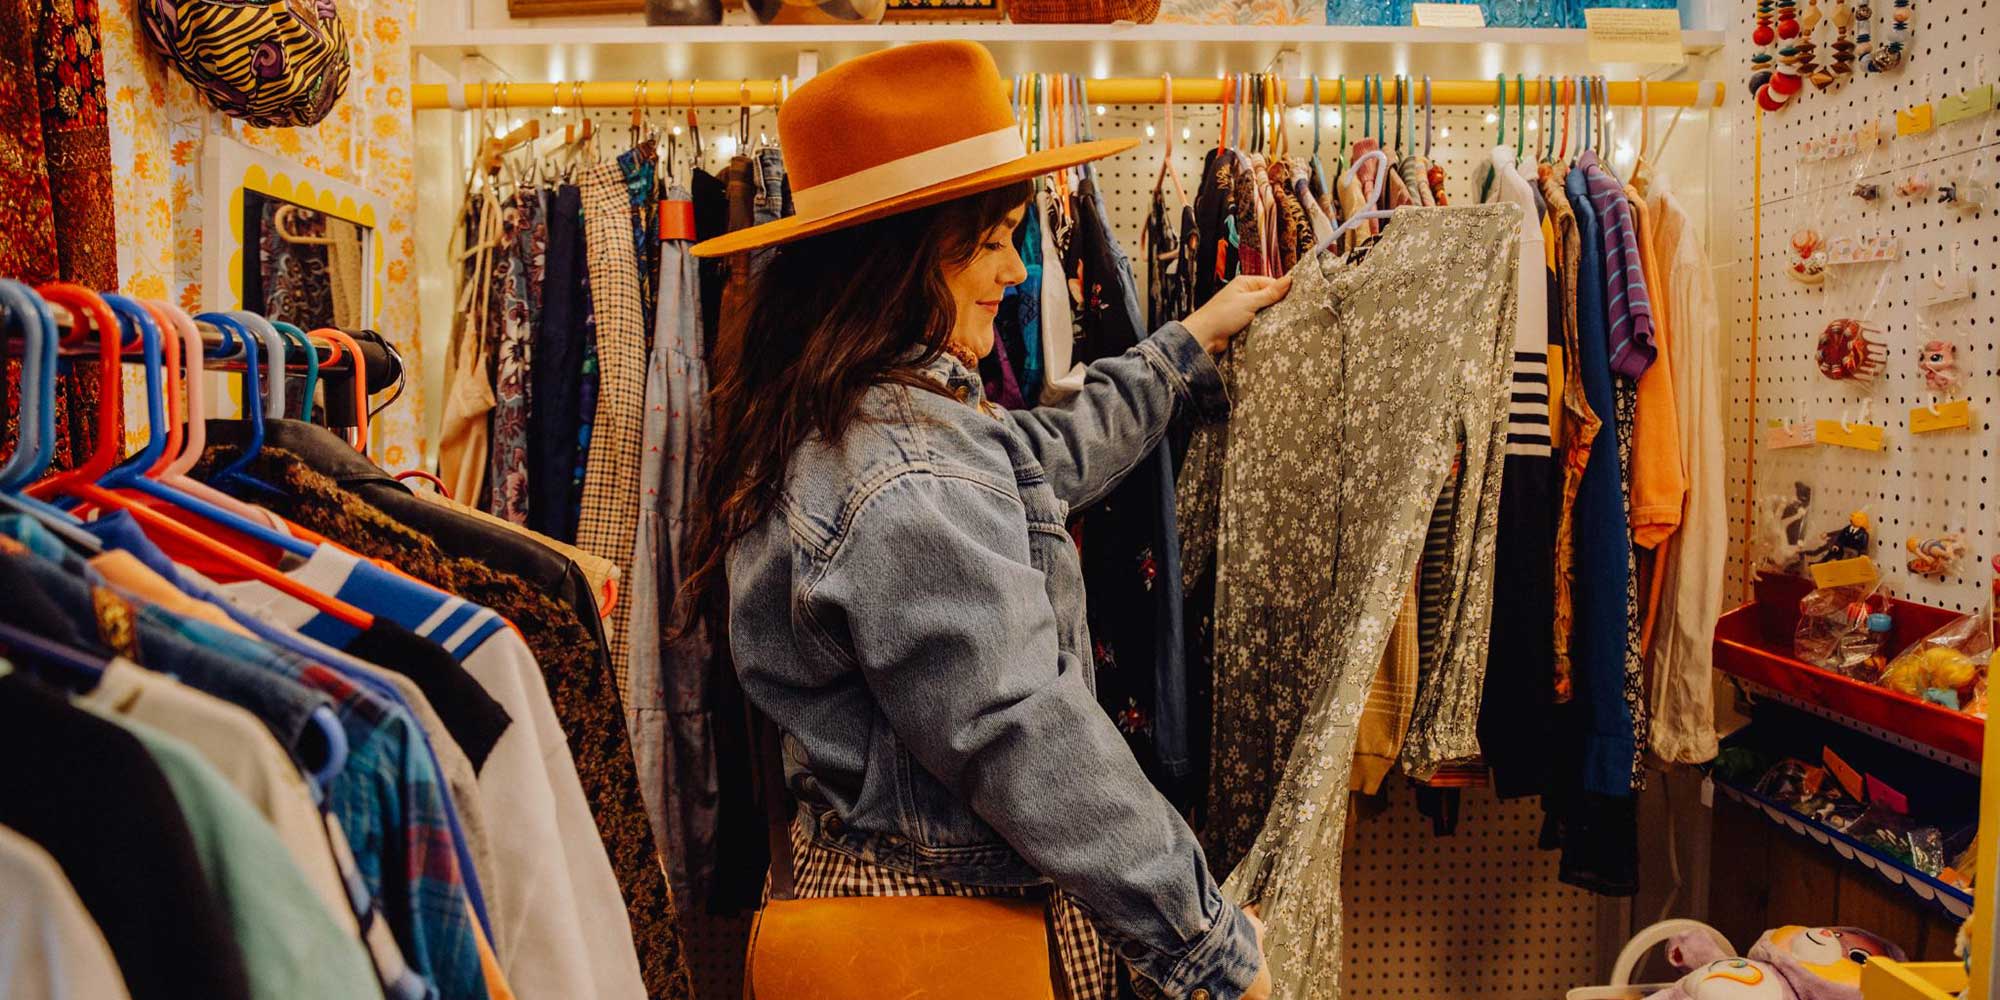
896,130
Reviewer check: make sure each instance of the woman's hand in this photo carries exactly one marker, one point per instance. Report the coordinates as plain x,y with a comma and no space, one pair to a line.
1262,987
1232,307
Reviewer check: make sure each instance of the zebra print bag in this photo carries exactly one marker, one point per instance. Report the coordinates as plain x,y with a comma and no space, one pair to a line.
271,63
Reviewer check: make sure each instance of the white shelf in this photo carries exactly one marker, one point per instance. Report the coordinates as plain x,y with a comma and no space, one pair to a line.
627,51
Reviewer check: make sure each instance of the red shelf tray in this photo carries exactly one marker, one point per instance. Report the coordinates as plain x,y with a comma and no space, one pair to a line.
1754,642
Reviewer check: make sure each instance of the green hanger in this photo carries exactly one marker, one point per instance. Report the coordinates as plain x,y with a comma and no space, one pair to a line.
1521,116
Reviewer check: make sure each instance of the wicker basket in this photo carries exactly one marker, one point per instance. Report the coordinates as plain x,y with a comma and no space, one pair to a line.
1082,11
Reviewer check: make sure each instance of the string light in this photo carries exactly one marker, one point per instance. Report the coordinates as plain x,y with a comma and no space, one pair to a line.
1187,133
1149,131
1100,111
725,146
556,109
1302,116
1491,118
677,130
517,124
1445,132
1534,126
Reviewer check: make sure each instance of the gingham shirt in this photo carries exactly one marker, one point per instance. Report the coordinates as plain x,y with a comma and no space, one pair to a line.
610,520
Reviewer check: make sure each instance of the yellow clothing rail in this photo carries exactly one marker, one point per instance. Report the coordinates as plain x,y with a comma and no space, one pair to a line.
1138,90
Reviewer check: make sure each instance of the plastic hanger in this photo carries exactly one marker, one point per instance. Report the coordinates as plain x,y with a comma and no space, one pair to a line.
252,376
99,316
22,644
1381,161
1520,117
299,340
171,346
1401,91
1427,117
128,476
27,314
272,345
1589,143
88,316
1319,169
1562,152
356,436
31,314
1167,168
1340,148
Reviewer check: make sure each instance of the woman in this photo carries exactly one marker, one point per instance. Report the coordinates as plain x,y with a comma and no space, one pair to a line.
887,551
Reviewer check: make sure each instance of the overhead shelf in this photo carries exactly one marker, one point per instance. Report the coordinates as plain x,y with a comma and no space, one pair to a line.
603,51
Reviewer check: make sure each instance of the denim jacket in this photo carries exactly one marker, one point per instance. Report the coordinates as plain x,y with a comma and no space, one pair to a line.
911,615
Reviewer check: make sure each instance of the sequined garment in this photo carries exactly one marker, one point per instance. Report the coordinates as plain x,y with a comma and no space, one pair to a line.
1351,398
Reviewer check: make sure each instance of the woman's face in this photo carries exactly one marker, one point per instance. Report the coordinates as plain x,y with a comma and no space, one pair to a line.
977,285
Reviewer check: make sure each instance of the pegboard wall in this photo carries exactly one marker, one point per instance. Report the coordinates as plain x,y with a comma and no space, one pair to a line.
1479,913
1919,485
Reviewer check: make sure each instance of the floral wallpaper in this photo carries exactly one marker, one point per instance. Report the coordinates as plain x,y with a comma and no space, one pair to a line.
157,128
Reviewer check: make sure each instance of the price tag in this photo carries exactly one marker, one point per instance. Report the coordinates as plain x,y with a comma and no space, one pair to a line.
1845,572
1950,416
1971,104
1708,793
1914,121
1448,15
1619,34
1864,437
1850,779
1869,135
1785,434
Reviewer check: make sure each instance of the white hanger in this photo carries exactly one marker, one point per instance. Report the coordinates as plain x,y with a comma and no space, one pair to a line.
1374,198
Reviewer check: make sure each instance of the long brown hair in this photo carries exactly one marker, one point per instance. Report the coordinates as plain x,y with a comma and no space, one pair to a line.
830,316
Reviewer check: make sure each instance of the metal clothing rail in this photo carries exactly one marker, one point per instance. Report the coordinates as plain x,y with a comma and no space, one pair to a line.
1131,90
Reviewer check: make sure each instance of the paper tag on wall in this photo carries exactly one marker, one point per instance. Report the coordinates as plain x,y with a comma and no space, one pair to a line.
1880,794
1914,121
1845,572
1620,34
1869,135
1865,437
1970,104
1785,434
1949,417
1447,15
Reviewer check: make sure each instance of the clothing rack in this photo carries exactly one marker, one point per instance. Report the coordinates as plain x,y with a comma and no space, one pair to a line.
1120,90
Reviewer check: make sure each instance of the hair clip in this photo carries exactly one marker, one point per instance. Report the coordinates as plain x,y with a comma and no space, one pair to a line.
1934,556
1808,265
1867,191
1915,185
1947,192
1939,364
1846,352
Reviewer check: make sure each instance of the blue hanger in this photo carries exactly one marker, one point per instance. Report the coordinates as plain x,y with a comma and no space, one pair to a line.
27,313
1586,116
252,393
131,475
29,646
299,339
136,318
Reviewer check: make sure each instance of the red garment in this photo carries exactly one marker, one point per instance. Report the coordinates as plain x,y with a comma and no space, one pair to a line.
55,176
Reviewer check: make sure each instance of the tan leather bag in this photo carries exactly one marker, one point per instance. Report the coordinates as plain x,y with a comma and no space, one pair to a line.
908,947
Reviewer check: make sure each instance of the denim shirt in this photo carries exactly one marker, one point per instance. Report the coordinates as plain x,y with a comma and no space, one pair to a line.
911,615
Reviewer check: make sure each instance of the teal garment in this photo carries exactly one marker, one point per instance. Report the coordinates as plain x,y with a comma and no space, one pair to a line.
291,946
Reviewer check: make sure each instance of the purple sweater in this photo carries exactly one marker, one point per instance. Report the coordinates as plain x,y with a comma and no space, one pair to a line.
1631,310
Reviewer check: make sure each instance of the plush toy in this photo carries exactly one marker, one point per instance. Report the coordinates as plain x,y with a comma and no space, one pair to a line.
1712,973
1730,979
1822,963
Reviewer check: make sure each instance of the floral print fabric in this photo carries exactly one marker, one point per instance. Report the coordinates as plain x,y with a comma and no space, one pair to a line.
518,293
1351,397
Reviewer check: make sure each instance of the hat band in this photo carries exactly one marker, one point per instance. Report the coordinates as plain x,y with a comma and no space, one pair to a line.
910,173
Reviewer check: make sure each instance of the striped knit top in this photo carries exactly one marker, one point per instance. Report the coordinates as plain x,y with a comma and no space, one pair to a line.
1630,308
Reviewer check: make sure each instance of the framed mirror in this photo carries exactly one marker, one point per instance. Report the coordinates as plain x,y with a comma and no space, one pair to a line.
287,242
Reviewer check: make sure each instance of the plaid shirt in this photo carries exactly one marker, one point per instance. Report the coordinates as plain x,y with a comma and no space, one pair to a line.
390,801
609,525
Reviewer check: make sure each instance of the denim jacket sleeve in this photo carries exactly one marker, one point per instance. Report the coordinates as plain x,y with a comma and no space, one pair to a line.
1088,443
932,587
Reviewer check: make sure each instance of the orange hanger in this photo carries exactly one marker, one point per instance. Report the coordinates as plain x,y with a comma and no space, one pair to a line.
1565,86
88,313
356,436
1228,96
